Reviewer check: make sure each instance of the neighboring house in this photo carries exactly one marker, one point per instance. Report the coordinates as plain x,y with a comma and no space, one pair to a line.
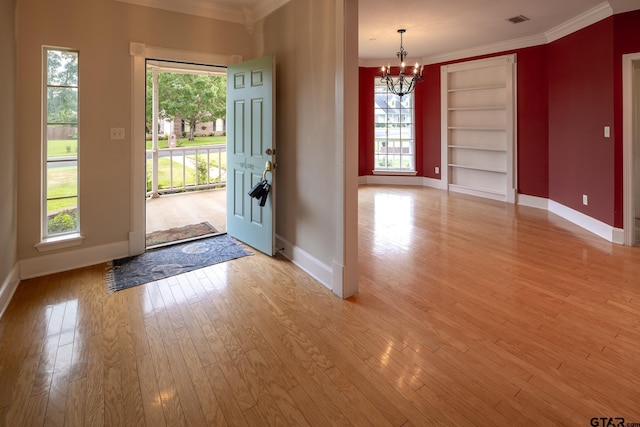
389,111
177,127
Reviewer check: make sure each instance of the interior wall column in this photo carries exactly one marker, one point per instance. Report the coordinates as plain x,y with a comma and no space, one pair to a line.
345,281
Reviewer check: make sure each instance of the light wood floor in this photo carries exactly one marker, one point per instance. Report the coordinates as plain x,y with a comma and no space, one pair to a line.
471,312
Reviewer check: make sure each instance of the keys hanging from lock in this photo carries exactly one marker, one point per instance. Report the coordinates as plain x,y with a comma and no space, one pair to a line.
261,189
258,189
265,192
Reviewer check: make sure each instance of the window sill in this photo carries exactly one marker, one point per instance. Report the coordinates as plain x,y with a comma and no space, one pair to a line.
394,172
59,242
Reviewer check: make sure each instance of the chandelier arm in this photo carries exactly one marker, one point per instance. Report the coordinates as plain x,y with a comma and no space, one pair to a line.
401,86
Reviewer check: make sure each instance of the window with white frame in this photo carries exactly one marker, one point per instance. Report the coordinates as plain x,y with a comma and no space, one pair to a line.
394,141
60,211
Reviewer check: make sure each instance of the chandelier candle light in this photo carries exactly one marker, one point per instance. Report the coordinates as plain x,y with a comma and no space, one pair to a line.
401,85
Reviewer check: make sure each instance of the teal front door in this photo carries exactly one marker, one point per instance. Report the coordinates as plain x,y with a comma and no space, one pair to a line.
251,152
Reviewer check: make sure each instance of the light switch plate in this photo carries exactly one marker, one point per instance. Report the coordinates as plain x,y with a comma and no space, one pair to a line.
117,133
607,132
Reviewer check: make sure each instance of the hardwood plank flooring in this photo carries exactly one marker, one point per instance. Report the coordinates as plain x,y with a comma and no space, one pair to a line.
470,312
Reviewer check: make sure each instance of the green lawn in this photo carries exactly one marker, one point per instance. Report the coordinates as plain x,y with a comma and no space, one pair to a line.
164,172
213,159
62,147
184,142
61,182
69,147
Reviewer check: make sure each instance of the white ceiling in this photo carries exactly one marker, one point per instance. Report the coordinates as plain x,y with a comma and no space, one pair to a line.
437,30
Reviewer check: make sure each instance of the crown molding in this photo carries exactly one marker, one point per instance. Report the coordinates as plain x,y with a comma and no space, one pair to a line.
591,16
622,6
209,9
194,7
487,49
265,7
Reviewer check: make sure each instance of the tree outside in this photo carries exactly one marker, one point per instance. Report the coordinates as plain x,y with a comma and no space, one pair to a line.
190,97
196,99
62,92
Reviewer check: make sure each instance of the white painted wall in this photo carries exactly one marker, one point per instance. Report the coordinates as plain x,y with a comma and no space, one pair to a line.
8,146
305,36
305,72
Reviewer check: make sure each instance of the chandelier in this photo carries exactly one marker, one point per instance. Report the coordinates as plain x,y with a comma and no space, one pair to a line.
401,85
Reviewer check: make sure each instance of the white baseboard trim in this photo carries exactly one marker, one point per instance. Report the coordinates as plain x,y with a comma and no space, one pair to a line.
422,181
337,280
607,232
533,201
433,183
137,242
391,180
8,288
64,261
617,235
478,193
593,225
316,269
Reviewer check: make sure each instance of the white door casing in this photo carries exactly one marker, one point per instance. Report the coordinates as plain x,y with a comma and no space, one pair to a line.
629,134
139,53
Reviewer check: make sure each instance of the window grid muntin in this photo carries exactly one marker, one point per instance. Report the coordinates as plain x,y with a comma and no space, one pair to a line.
402,118
68,219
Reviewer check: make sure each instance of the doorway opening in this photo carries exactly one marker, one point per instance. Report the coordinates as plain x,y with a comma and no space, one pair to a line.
185,146
635,138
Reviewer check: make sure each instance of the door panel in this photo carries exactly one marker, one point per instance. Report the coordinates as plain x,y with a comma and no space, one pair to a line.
238,198
257,112
238,134
250,117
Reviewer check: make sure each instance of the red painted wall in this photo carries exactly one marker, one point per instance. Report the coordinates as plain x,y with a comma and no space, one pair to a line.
532,121
568,91
431,119
581,160
365,120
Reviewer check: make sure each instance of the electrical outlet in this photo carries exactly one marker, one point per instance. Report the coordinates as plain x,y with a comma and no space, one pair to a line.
117,133
585,200
437,170
607,132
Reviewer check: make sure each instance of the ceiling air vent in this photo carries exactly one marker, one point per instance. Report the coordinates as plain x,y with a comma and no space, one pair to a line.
518,19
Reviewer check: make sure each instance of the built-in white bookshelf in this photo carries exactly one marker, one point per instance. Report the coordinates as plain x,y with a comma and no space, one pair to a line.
478,127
